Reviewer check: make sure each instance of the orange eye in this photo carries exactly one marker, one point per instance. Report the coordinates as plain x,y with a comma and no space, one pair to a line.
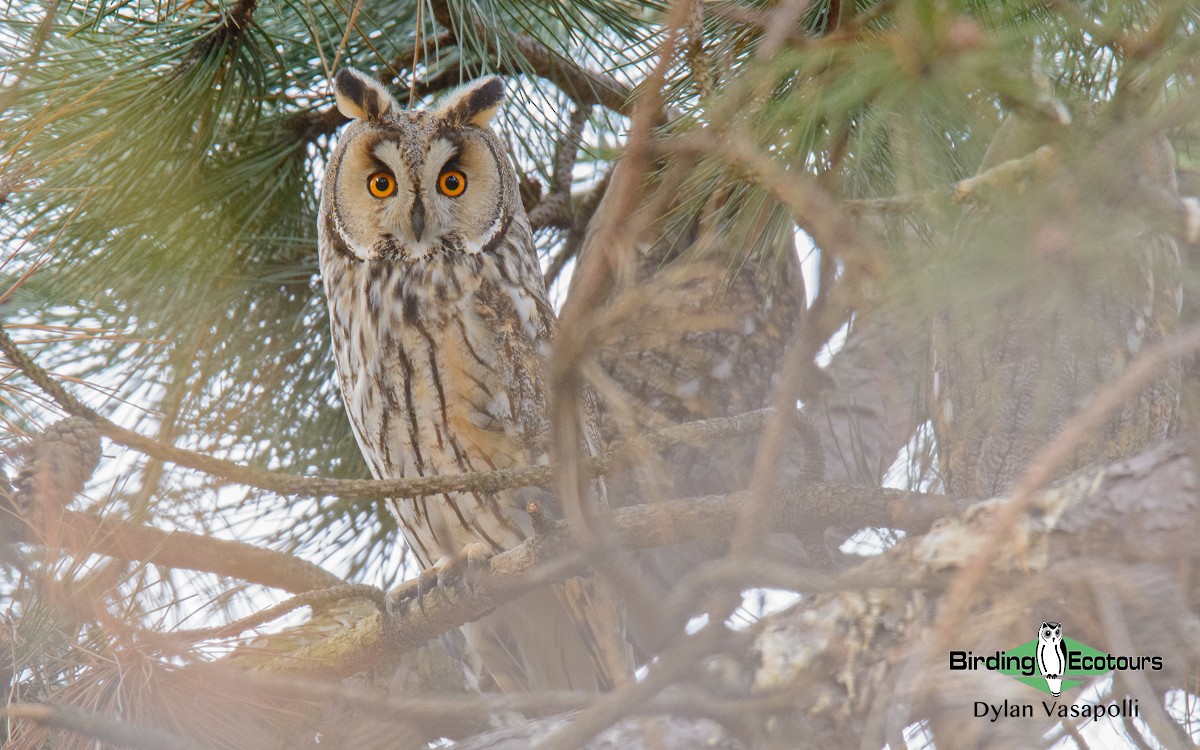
381,184
452,183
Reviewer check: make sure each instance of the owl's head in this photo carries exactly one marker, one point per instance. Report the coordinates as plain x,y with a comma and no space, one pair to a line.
407,184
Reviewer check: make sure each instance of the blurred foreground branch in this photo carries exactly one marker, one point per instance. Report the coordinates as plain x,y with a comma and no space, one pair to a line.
98,727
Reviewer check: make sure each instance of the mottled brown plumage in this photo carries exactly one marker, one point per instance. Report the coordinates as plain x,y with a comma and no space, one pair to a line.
1050,294
725,297
441,325
702,315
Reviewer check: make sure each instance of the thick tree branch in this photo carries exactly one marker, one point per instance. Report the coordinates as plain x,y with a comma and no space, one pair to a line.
1128,527
1105,401
874,613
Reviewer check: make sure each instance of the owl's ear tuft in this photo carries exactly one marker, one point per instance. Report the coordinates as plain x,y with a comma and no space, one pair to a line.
361,97
474,104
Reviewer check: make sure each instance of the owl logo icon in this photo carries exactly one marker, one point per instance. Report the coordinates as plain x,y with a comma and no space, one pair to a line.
1052,655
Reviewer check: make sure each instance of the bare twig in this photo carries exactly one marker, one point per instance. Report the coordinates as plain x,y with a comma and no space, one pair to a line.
588,204
350,24
554,209
406,59
1116,627
417,48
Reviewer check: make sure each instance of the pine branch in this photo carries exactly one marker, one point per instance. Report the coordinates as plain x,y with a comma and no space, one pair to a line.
814,208
288,484
310,125
226,28
1037,166
84,533
1178,215
583,86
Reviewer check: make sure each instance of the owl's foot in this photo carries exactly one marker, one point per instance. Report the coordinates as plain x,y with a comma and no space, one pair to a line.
450,574
457,573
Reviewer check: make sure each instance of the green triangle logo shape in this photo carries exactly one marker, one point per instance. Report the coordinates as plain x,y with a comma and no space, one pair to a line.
1027,653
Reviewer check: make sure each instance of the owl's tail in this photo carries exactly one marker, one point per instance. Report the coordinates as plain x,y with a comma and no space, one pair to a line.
568,637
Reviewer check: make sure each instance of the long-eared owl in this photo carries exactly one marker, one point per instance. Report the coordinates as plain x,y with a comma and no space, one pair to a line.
441,325
1046,296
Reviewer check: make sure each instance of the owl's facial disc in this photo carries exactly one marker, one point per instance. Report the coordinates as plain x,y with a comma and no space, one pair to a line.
414,204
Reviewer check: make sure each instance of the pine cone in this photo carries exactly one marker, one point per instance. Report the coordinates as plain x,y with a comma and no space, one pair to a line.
57,465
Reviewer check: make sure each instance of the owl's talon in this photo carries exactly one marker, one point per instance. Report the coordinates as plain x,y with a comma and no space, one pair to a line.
429,580
471,564
398,598
450,574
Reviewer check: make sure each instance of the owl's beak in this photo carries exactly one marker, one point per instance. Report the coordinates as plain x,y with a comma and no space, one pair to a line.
418,218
